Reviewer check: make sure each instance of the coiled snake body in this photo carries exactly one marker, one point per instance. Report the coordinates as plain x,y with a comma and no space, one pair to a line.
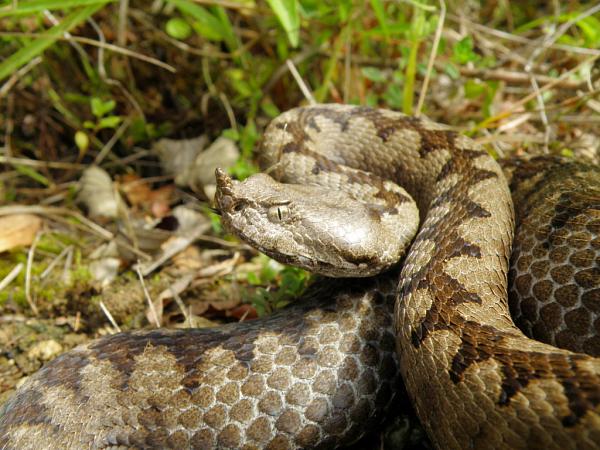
321,373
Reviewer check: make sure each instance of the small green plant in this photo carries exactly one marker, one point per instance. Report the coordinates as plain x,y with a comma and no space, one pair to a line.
100,110
289,283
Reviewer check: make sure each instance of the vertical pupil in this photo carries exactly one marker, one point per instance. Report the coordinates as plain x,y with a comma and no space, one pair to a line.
279,213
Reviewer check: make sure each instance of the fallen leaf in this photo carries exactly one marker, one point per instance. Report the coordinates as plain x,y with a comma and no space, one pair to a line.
136,189
177,156
17,230
140,194
97,193
194,167
221,153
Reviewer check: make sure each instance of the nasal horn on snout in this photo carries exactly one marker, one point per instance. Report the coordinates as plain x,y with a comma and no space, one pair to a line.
224,192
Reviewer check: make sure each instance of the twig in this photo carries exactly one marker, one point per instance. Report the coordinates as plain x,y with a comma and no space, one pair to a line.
249,6
107,46
301,84
55,262
523,40
177,244
188,317
220,268
66,276
68,36
30,255
543,116
58,213
214,92
38,163
347,65
11,276
297,59
519,138
537,51
55,211
244,315
147,295
122,27
550,40
486,123
109,316
8,85
228,110
104,75
432,55
514,77
111,142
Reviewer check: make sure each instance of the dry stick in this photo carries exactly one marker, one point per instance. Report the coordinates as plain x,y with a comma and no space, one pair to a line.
432,55
55,261
249,6
66,276
8,85
228,110
126,52
523,40
543,116
537,51
179,301
301,84
297,59
11,276
10,123
109,316
244,315
549,41
68,36
532,95
514,77
55,211
112,141
497,48
111,81
217,94
348,65
122,27
58,213
28,273
147,295
95,43
38,163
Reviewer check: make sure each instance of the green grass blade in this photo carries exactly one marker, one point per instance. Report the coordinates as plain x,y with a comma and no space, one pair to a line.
46,39
287,13
33,174
380,13
25,7
213,23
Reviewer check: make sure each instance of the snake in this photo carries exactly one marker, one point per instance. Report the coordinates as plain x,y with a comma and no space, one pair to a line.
323,371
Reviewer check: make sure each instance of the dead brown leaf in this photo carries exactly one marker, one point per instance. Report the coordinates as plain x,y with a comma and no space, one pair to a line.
17,230
141,195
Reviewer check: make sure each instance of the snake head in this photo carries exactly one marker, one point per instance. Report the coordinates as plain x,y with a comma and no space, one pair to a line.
313,227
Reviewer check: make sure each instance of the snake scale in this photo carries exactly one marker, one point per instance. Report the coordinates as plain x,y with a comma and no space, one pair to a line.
320,373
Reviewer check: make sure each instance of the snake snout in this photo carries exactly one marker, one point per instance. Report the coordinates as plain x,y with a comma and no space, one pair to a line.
224,193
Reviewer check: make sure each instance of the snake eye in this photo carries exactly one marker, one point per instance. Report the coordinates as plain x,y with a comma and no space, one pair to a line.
238,206
278,213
